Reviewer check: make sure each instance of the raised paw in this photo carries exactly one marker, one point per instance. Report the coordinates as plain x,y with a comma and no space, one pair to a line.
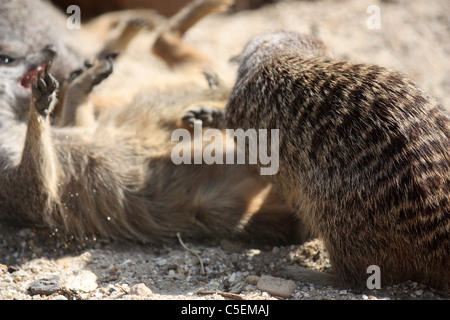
86,78
102,69
211,77
43,92
210,116
76,73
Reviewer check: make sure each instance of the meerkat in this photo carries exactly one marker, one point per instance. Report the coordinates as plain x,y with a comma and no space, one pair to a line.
26,26
117,180
364,157
112,177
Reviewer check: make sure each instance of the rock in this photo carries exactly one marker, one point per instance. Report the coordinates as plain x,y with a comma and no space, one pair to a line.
237,287
45,287
172,266
253,280
127,263
276,286
26,233
173,275
12,269
161,262
141,289
253,252
84,280
114,269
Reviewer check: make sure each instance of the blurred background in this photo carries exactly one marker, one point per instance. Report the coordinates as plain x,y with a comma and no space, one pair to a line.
413,35
166,7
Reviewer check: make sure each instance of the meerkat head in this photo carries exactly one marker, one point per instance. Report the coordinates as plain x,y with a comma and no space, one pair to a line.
16,74
28,26
267,46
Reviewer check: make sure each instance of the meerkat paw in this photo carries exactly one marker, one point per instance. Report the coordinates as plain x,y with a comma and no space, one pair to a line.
43,92
102,69
91,74
209,116
211,77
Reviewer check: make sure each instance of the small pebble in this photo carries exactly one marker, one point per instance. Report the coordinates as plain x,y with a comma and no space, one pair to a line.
172,266
84,280
141,289
161,262
127,263
276,286
45,287
114,269
253,280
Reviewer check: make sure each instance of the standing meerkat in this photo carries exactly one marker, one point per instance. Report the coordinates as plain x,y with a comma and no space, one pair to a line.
364,157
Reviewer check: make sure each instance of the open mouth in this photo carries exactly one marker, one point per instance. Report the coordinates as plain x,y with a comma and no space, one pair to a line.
25,81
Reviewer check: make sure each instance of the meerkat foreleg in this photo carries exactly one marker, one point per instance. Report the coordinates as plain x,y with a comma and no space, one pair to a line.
39,163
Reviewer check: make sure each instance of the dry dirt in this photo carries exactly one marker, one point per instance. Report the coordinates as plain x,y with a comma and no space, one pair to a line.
414,37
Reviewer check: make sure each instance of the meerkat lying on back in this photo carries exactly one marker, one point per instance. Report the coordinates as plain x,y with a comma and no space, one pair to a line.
113,177
364,156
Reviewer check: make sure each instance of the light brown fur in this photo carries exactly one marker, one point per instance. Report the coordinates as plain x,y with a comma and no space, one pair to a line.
114,178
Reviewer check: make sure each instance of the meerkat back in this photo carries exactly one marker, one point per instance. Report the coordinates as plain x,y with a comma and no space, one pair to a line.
364,156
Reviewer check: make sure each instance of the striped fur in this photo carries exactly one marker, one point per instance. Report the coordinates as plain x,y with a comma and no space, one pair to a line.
364,157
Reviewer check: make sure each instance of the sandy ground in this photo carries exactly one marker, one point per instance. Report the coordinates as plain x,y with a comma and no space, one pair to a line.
413,38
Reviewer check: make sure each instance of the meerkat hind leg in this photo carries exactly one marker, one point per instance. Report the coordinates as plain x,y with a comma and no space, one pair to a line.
121,42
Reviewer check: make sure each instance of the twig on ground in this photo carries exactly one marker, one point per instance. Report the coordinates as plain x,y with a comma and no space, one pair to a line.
223,294
202,269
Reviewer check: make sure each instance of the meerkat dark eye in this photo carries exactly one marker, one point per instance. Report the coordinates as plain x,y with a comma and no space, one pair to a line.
6,59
